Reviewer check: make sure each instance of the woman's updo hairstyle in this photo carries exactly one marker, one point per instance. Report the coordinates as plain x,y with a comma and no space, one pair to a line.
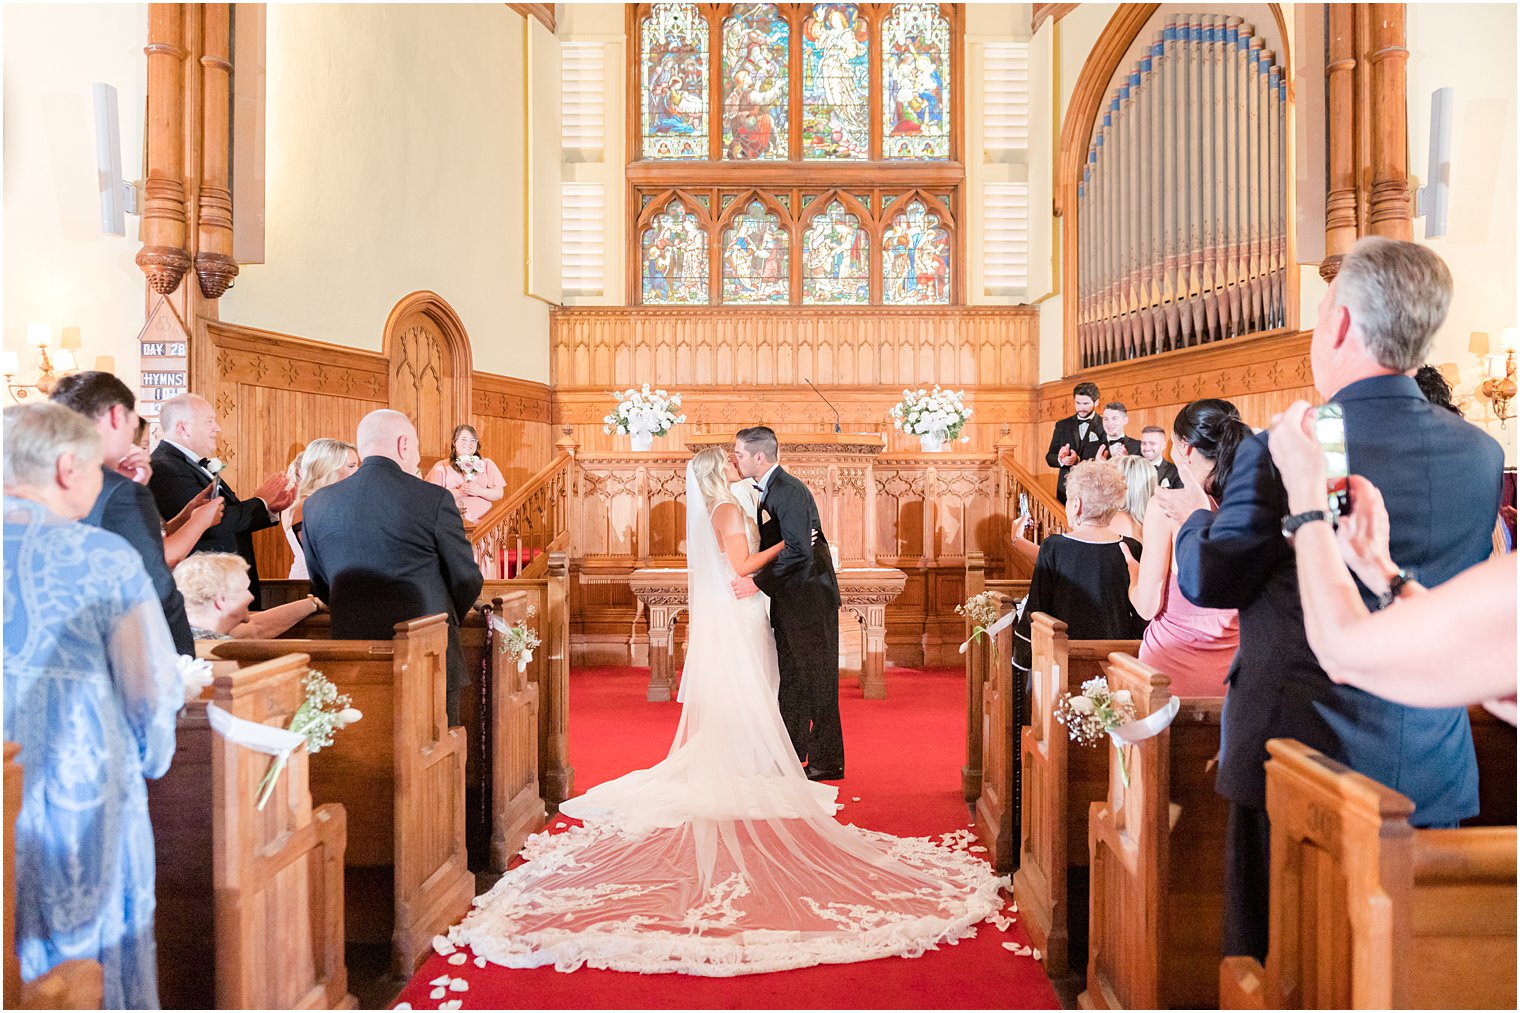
1213,427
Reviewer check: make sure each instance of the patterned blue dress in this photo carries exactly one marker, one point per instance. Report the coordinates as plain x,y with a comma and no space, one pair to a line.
91,694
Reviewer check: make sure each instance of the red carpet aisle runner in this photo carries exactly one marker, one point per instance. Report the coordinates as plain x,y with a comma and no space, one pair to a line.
903,759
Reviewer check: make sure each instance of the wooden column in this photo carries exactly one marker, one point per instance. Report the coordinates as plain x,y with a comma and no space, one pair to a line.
1340,105
214,263
1387,59
164,258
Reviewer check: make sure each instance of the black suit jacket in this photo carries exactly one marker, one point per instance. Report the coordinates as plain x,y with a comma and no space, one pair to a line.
176,481
803,574
1167,476
1068,433
384,547
1131,445
1440,479
126,508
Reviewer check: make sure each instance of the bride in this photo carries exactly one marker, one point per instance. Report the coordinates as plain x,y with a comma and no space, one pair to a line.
723,859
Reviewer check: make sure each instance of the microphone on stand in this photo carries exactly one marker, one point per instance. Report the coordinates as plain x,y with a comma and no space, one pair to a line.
825,401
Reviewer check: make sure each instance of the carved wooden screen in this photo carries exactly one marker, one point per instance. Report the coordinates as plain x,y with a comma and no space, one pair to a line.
1183,199
795,154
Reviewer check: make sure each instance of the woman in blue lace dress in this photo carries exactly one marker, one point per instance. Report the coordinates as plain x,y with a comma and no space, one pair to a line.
91,693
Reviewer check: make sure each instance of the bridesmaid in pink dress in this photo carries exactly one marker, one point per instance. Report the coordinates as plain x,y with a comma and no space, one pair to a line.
1193,645
472,478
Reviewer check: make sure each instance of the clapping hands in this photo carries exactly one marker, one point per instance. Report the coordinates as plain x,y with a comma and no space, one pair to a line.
277,492
1180,504
1066,455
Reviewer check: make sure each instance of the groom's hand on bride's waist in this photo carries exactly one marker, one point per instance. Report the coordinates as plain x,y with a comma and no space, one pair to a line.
744,587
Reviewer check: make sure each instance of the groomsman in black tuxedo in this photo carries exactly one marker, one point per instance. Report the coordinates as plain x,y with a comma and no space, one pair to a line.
1153,449
183,465
804,605
1077,437
385,547
1115,443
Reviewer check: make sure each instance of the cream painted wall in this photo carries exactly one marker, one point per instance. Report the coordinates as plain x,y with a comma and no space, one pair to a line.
1471,48
396,162
59,268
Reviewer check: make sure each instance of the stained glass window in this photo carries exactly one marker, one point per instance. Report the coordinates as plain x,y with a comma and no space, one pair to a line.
673,54
756,265
836,258
674,261
756,58
915,67
836,72
915,252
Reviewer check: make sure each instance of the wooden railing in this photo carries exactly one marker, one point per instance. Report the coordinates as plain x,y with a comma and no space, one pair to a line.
1047,515
515,536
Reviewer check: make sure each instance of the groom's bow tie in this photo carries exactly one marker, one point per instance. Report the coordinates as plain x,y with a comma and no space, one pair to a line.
757,487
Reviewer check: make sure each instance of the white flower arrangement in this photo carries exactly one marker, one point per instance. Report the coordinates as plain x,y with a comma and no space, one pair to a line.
1089,716
470,466
214,466
323,712
982,609
923,413
520,642
641,410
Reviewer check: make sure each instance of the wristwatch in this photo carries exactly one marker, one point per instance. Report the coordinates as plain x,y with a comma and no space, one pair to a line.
1396,584
1291,524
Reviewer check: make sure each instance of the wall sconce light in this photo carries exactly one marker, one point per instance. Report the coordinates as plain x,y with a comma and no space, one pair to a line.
1499,376
49,367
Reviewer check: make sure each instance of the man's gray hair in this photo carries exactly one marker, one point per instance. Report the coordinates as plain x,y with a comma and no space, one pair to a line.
1398,294
36,435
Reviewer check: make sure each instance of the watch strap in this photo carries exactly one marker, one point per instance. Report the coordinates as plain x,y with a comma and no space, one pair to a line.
1293,522
1395,588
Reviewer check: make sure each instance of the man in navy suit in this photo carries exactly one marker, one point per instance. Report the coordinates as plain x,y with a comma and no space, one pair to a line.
125,506
1440,479
384,547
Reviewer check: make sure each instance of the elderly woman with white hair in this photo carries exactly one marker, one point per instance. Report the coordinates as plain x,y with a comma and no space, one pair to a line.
92,688
1081,576
217,595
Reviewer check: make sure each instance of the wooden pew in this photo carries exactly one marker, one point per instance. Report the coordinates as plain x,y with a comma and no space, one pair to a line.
274,878
1058,784
517,808
399,773
979,671
73,984
1157,858
990,688
1370,913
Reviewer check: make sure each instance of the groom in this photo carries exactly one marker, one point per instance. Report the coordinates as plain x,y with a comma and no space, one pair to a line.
804,605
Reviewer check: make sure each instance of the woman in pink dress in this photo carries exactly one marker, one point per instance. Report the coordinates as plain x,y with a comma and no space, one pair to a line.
1193,645
471,477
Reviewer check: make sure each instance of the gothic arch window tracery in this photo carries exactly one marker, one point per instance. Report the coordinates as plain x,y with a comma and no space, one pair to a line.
814,119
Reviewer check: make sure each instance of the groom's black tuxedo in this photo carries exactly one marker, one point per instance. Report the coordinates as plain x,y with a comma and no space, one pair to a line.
805,615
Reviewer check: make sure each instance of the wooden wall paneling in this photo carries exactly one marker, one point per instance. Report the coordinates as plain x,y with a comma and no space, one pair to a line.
275,393
513,419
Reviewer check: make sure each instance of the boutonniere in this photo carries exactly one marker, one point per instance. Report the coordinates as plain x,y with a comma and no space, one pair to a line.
215,465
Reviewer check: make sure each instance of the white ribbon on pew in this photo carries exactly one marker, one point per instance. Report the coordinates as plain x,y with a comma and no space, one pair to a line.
1147,727
261,738
996,628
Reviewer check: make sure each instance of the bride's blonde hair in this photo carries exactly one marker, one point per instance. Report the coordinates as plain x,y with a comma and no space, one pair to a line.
707,467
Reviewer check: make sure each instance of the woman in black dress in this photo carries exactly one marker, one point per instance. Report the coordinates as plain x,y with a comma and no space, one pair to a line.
1081,576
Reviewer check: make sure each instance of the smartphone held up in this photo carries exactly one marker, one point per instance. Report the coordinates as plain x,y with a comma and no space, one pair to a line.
1330,432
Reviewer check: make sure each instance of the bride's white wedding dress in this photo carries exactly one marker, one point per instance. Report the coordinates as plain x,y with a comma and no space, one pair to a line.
723,859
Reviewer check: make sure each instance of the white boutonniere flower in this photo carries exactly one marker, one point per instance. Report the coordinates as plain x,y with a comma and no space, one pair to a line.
215,464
